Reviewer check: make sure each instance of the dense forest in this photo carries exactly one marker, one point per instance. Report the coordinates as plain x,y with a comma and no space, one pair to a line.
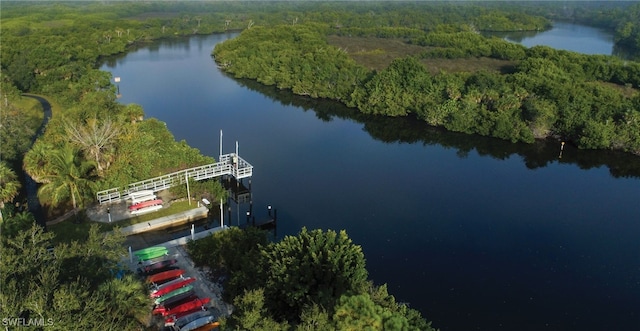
93,142
77,286
587,99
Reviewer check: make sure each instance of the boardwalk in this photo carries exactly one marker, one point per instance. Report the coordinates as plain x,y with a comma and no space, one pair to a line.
228,165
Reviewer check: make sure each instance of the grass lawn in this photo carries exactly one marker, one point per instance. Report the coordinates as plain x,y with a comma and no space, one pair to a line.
68,231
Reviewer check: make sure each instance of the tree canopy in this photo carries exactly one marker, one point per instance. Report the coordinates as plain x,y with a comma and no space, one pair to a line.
70,287
548,92
316,280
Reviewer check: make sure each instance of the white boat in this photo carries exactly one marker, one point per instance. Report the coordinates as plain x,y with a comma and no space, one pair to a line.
143,198
138,194
146,209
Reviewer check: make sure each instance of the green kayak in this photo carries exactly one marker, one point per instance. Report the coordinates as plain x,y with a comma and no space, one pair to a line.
149,250
161,299
151,253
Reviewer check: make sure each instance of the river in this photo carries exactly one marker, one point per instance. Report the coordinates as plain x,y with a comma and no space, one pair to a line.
476,233
568,36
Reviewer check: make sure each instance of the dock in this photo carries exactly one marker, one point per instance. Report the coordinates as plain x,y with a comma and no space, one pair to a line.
228,165
167,221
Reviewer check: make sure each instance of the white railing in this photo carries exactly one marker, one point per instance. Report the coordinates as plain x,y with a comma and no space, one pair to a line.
109,195
229,164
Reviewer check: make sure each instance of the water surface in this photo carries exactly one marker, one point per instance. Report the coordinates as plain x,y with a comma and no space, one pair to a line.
476,233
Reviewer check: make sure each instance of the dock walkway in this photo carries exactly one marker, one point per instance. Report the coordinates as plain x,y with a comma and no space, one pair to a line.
166,221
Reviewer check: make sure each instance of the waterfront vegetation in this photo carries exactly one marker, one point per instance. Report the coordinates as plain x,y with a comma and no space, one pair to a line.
316,280
590,100
453,78
422,60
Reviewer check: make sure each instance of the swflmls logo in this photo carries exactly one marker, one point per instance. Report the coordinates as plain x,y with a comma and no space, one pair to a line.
18,321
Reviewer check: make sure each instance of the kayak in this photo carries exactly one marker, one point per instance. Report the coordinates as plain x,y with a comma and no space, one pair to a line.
184,318
176,301
165,276
155,288
200,322
164,289
164,298
208,327
187,306
138,194
157,266
149,250
145,204
152,261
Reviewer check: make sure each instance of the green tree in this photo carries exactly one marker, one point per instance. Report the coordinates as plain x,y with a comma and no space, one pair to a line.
360,312
11,225
68,177
36,160
314,267
95,138
381,297
396,90
237,253
71,287
315,318
17,126
131,303
251,314
9,185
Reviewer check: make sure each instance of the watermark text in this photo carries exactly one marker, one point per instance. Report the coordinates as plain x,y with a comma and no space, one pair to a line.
19,321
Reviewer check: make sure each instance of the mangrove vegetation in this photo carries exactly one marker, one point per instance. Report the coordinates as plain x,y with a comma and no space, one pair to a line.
378,58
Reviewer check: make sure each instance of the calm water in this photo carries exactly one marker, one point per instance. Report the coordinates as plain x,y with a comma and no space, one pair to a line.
567,36
476,233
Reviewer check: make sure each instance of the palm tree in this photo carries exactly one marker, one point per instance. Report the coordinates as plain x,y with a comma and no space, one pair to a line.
36,160
17,223
128,302
9,185
68,176
95,138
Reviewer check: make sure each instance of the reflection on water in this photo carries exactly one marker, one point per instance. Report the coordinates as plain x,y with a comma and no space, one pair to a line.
475,232
410,130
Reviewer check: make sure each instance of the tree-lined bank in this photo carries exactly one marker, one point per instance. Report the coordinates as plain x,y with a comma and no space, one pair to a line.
53,49
587,99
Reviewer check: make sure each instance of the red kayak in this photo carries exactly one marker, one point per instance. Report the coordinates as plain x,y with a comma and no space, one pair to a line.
187,306
166,289
165,276
145,204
